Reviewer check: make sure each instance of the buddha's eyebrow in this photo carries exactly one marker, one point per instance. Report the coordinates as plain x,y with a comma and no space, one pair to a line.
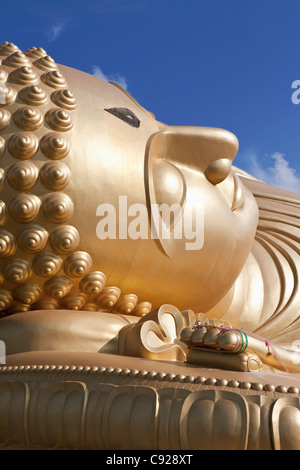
148,113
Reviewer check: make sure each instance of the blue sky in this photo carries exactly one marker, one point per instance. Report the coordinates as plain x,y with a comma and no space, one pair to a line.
219,63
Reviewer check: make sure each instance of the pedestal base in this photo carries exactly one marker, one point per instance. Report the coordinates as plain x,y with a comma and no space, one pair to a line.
68,400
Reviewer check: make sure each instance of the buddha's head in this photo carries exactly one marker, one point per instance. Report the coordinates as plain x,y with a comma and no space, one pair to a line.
86,171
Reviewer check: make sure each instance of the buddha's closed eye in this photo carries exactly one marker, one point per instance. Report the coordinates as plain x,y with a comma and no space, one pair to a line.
126,115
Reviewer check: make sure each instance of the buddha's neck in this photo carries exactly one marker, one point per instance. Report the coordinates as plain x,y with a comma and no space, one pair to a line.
266,297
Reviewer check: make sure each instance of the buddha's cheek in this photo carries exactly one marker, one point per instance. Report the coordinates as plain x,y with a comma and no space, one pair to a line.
220,245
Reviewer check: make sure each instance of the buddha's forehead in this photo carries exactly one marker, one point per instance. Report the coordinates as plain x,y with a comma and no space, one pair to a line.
102,95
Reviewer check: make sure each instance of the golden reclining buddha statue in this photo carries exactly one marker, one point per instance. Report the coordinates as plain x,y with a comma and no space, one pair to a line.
149,289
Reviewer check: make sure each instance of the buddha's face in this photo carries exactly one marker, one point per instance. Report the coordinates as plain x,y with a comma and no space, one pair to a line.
122,157
89,181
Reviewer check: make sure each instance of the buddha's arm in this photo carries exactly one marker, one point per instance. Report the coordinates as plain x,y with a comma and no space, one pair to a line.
62,330
217,347
169,334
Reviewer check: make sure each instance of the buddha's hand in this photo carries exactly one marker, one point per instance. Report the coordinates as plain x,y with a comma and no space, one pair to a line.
237,349
219,338
231,346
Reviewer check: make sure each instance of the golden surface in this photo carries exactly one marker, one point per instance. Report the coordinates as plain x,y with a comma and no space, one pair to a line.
144,335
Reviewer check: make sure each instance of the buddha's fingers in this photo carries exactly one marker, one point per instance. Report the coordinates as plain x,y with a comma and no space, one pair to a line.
204,341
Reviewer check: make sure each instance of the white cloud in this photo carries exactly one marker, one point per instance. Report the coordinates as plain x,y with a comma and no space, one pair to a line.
280,174
118,79
55,30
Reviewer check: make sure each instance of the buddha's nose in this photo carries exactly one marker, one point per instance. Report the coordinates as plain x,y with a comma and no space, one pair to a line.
206,149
